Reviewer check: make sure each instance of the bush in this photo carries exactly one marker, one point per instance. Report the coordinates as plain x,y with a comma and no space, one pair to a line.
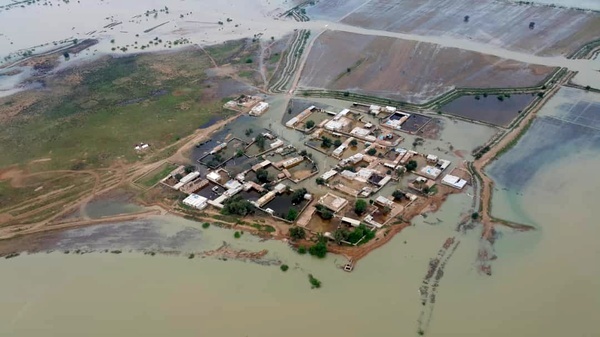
260,141
301,250
319,249
292,214
237,235
249,60
298,195
475,216
325,142
314,282
398,195
284,267
411,166
371,151
309,124
237,206
360,206
297,233
326,214
205,225
262,176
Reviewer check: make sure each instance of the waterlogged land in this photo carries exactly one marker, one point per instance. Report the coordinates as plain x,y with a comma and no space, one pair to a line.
407,70
434,265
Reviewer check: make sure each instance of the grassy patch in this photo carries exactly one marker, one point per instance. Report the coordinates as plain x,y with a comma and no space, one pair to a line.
115,104
153,177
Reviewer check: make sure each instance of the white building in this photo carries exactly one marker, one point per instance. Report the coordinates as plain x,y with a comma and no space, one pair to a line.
328,175
430,172
214,176
195,201
454,181
259,109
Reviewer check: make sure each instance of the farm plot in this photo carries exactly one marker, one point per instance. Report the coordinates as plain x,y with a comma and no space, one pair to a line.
556,31
494,109
407,70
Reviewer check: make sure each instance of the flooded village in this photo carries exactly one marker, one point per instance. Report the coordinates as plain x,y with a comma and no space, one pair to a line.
422,165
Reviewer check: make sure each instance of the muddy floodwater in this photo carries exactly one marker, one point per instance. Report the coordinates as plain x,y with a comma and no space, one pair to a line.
544,282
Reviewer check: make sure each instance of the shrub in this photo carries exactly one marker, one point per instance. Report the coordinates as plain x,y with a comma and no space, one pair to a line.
249,60
237,235
475,216
284,267
325,142
205,225
314,282
297,233
301,250
360,206
326,214
309,124
319,249
298,195
292,214
411,166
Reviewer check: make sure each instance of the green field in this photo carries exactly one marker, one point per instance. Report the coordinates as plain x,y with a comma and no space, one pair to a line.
93,115
153,177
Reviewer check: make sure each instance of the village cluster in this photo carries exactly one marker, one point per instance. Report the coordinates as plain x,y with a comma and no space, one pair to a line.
278,179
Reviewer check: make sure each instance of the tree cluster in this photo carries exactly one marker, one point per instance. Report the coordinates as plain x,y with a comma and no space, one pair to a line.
237,206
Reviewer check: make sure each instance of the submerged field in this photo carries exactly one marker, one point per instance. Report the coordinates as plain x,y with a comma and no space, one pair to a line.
493,109
500,23
569,124
407,70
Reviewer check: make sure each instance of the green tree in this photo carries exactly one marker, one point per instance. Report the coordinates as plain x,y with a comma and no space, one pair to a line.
326,214
475,216
325,142
360,206
398,195
190,168
260,141
319,249
320,181
297,233
340,235
284,267
337,143
353,142
178,176
292,214
298,195
371,151
262,176
411,166
237,206
309,124
301,250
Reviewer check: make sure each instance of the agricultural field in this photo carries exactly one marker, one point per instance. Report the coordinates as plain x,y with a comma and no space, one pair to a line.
557,31
493,109
407,70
